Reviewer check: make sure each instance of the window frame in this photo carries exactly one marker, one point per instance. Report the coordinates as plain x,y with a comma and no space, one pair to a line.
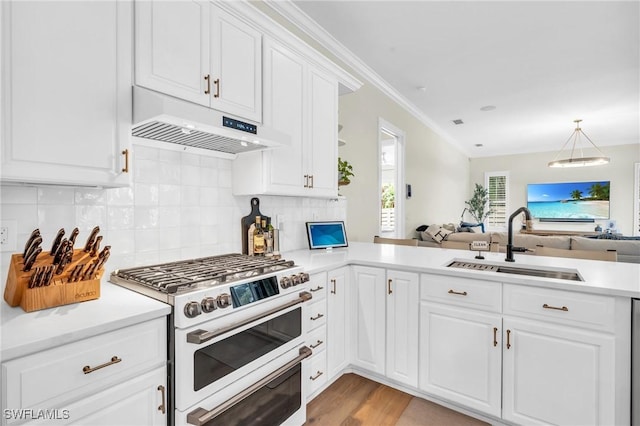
490,224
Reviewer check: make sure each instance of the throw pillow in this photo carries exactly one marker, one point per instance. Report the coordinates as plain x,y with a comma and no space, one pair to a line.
437,233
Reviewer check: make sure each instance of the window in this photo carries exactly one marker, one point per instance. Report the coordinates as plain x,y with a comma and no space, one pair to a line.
497,183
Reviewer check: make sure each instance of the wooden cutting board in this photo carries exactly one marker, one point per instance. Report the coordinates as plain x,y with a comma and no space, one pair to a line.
246,222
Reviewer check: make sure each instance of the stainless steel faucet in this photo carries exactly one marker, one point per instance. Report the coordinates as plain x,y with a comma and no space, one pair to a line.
510,247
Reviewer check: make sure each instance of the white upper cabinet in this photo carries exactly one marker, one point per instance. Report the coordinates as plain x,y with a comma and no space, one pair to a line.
302,101
66,92
196,51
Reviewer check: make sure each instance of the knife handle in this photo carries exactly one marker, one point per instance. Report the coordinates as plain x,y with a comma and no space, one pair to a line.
34,234
73,236
56,242
91,239
60,252
28,263
96,246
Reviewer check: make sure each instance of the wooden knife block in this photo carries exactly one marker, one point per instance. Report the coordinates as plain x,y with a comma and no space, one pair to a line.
58,293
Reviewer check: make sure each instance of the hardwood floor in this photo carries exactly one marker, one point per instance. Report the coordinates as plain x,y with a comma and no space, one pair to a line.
353,400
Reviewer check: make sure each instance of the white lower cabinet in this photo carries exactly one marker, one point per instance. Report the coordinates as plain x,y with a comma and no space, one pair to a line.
368,318
385,323
316,332
461,356
542,356
117,377
338,342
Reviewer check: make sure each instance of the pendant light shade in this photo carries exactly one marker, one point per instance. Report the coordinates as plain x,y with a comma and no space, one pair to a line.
578,161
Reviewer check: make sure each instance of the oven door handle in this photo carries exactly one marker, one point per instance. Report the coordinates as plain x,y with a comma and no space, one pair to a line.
200,336
200,416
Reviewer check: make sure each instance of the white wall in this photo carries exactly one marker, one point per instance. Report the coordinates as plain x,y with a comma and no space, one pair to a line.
180,206
532,168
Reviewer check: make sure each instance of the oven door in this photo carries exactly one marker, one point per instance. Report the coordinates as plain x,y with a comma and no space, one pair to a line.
215,354
271,395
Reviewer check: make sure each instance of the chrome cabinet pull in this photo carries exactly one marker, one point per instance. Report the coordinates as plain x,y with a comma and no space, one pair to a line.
316,289
508,339
306,181
334,286
564,308
207,78
460,293
200,416
311,180
318,343
317,317
495,336
318,374
200,336
114,360
162,405
126,161
389,291
217,83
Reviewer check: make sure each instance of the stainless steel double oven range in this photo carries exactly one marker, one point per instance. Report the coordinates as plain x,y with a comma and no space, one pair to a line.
236,338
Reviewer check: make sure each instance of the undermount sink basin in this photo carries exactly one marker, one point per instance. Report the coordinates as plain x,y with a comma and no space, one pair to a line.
517,270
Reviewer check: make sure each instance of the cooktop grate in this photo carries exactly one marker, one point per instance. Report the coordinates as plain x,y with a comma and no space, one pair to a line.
169,277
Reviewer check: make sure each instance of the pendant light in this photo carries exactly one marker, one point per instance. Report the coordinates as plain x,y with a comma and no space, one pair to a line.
580,161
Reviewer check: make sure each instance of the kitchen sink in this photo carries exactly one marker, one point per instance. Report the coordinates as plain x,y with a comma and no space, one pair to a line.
517,270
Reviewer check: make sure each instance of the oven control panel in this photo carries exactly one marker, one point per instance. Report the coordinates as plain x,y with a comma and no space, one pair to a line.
217,301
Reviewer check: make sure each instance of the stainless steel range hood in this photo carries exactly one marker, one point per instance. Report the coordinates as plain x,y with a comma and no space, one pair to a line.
172,123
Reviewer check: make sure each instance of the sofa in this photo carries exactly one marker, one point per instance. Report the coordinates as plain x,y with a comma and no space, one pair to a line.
627,248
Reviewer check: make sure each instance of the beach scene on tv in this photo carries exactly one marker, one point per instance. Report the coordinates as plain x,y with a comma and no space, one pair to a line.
569,200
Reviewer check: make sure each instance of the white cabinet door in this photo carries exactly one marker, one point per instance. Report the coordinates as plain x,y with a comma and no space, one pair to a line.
368,318
172,48
195,51
302,102
338,321
66,88
322,146
236,66
140,401
460,356
284,86
402,289
557,375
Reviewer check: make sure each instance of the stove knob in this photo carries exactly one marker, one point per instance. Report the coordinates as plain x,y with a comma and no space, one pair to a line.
296,279
192,309
208,304
224,300
285,282
304,277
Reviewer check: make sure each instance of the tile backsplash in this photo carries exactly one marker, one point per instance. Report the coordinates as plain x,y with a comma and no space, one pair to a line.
180,206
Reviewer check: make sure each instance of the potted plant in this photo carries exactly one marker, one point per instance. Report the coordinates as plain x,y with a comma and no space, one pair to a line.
479,206
345,171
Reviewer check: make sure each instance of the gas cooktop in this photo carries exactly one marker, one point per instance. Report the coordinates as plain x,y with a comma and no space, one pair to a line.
188,275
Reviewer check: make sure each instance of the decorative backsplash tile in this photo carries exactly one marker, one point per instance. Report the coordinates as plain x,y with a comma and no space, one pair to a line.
180,206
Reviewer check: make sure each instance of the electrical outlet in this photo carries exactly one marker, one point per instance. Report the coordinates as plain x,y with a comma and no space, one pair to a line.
8,235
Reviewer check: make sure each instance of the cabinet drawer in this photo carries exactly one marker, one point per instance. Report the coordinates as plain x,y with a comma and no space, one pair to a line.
317,339
55,376
317,372
476,294
564,307
318,288
316,314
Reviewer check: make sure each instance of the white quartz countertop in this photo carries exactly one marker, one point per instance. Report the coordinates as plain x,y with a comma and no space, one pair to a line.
600,277
23,333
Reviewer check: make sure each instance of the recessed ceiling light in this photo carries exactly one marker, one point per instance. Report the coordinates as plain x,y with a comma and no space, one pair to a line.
478,145
487,108
458,121
422,88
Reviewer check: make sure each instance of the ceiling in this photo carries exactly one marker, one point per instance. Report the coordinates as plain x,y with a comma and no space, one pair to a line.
542,64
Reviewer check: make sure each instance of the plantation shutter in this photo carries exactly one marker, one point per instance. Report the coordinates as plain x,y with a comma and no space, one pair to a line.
497,184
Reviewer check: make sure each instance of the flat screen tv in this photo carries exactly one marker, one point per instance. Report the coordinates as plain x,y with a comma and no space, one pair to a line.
569,201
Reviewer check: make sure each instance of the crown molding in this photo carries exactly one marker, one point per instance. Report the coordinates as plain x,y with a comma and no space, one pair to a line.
311,28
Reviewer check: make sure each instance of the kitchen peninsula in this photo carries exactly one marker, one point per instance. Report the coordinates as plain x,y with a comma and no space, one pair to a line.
504,347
